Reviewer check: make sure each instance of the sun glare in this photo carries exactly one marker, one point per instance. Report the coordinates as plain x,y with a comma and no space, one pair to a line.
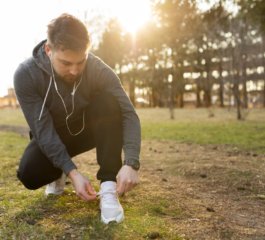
133,14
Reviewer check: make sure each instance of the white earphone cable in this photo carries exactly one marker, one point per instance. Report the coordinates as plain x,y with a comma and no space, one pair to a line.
45,98
73,104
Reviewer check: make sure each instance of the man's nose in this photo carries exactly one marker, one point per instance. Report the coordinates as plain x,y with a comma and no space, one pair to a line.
74,70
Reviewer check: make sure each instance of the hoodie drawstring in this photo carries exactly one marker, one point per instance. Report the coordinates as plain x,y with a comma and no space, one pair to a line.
47,92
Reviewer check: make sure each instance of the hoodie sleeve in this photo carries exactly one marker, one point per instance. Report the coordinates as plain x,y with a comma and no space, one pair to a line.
109,81
43,130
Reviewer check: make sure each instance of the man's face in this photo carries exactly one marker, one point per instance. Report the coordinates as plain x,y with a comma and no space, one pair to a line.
68,64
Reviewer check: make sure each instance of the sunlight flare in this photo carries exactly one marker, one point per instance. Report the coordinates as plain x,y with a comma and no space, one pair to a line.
133,14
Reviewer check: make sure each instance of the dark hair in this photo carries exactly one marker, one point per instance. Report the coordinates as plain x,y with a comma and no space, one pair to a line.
68,32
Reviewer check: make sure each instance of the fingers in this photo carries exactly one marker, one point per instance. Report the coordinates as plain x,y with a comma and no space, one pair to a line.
125,186
85,196
91,191
87,192
121,187
127,179
129,185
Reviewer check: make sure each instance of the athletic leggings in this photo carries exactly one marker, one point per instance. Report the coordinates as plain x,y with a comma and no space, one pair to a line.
103,131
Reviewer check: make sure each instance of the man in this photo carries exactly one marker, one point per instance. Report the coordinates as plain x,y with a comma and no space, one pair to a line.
73,102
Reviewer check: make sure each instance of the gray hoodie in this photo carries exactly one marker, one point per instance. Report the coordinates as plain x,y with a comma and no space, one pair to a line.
45,113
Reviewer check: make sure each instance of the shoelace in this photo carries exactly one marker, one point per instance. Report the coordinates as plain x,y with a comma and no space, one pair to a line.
109,195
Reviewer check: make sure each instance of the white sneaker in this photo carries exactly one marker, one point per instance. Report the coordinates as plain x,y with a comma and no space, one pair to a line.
56,187
111,209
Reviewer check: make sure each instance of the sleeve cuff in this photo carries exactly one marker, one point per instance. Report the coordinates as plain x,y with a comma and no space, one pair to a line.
68,167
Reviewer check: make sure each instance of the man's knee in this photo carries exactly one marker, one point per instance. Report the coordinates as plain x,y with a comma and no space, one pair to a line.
34,178
35,170
27,181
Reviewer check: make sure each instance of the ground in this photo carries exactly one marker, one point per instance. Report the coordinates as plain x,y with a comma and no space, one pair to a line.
219,191
199,191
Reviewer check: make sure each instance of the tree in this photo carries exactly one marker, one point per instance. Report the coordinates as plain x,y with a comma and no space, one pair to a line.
116,49
149,44
111,47
178,24
213,24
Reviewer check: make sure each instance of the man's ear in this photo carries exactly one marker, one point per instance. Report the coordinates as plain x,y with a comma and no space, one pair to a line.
48,50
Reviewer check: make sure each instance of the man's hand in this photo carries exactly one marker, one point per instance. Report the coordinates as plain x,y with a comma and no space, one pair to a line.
127,178
83,187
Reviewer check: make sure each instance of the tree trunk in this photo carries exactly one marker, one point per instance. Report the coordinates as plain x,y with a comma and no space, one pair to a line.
207,98
238,104
180,100
263,64
154,97
236,77
244,81
243,58
236,89
198,97
221,89
208,82
171,102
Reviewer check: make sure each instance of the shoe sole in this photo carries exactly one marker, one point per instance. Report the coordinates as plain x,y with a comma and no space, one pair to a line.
118,219
53,193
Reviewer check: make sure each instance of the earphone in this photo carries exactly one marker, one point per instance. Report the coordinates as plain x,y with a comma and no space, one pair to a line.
68,115
74,87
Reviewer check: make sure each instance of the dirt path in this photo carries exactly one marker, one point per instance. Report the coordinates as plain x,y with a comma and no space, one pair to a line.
219,190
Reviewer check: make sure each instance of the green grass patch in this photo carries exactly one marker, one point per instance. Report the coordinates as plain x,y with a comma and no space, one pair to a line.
246,136
194,126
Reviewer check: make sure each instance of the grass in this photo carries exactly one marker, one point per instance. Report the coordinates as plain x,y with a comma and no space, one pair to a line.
29,215
194,126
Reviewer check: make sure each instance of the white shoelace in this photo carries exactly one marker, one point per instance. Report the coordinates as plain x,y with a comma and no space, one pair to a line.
109,196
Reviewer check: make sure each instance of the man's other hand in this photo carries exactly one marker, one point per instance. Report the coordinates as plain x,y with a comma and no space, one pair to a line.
82,185
127,178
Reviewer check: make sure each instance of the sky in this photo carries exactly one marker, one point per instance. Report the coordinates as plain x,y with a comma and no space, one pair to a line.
24,23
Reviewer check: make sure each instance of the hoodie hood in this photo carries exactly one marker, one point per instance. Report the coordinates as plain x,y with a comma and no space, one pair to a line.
43,62
41,58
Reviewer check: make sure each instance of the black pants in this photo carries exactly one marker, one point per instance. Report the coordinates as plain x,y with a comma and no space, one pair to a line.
103,131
